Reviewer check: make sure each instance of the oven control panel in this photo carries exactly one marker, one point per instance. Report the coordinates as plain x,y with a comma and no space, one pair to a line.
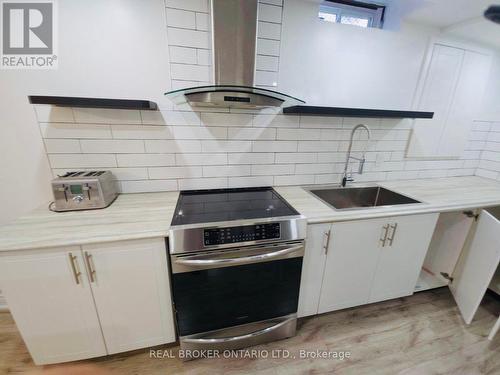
257,232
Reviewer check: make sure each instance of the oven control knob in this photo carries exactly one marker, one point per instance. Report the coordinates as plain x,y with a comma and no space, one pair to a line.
78,199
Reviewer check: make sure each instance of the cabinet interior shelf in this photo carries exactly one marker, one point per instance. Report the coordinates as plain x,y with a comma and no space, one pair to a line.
354,112
69,101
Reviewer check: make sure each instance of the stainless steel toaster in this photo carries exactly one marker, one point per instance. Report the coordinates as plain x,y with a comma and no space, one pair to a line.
83,190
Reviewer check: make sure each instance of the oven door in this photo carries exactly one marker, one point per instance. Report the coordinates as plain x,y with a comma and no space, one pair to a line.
220,289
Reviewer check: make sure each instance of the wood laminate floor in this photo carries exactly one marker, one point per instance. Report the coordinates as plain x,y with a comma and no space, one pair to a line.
421,334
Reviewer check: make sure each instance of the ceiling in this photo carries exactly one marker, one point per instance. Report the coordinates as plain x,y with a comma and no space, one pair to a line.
445,13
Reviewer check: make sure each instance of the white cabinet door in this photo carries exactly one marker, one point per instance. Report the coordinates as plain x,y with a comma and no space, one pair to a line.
53,308
351,263
131,288
402,256
447,243
477,264
317,242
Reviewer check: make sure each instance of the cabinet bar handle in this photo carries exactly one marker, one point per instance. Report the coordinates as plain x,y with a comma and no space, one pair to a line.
386,232
326,240
76,272
394,227
88,259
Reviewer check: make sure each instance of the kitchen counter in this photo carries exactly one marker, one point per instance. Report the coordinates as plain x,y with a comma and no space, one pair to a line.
148,215
437,195
130,216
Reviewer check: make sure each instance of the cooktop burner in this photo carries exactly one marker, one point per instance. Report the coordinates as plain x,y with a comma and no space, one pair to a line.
206,206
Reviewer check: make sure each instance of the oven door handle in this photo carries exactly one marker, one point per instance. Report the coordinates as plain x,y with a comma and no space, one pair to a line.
236,261
247,336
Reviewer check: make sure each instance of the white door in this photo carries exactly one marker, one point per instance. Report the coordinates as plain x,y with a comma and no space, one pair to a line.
131,288
477,264
52,304
402,256
351,263
439,86
317,243
466,102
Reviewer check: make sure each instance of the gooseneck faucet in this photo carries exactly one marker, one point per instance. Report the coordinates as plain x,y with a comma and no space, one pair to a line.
345,175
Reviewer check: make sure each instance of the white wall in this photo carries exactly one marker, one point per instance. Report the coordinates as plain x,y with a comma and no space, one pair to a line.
114,48
326,63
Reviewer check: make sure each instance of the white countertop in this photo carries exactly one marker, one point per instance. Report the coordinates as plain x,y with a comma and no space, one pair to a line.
130,216
148,215
437,195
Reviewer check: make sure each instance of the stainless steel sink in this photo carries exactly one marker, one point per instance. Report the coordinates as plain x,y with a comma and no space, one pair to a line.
360,197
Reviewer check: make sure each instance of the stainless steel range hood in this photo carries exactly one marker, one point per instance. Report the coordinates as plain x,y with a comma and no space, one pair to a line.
234,30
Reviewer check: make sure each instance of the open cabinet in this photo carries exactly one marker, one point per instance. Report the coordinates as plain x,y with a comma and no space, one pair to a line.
464,254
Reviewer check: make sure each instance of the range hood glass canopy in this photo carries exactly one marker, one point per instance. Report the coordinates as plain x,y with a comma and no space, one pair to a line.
232,96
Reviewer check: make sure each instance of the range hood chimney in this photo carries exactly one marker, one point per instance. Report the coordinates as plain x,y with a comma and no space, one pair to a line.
234,31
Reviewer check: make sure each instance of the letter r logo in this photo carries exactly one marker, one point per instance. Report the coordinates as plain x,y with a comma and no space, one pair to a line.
27,28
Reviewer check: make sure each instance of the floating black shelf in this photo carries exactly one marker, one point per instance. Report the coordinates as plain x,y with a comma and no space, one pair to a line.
354,112
68,101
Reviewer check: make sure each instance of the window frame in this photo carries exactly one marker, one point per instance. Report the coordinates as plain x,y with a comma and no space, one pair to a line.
346,8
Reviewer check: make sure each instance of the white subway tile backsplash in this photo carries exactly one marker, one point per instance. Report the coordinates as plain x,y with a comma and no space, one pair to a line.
193,5
236,182
268,30
295,157
111,146
141,132
172,146
314,168
162,173
180,84
188,38
268,47
226,146
181,118
62,146
49,113
152,118
226,170
107,116
274,146
317,122
299,134
318,146
201,159
144,186
183,55
225,119
272,169
145,160
294,180
203,183
272,2
190,72
269,13
191,132
127,174
75,161
251,133
275,121
181,18
269,63
203,57
202,21
76,131
264,78
250,158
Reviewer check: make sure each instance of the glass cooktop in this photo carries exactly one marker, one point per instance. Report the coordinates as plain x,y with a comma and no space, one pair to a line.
207,206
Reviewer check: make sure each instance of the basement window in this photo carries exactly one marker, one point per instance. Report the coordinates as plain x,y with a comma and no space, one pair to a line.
355,13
